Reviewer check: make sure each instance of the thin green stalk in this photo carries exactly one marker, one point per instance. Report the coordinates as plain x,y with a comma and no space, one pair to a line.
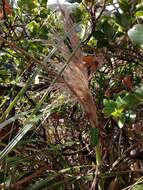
19,95
98,164
98,154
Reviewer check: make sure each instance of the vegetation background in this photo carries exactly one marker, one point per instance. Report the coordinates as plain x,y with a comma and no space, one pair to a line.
71,95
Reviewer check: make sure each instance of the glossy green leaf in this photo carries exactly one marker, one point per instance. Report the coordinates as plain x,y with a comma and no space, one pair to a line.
109,107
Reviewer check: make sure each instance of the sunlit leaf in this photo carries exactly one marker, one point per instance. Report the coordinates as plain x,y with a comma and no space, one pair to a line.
137,187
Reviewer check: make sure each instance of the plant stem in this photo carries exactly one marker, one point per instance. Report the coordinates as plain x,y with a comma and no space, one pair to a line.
98,164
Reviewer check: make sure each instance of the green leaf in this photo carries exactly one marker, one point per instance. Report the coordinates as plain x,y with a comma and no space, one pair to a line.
94,136
121,122
110,107
125,5
139,14
16,160
138,187
27,4
109,103
98,35
77,13
120,102
131,100
15,140
136,34
108,30
118,112
51,182
139,94
33,26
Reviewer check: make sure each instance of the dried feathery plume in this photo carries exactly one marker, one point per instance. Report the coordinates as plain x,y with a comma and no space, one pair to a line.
75,74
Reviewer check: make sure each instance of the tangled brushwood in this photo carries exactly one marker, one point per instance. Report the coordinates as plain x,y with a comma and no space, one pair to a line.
71,95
